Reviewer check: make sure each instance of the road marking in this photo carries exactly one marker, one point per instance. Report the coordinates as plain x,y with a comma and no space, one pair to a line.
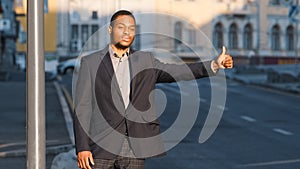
271,163
203,100
233,84
177,91
195,84
215,84
284,132
68,96
222,107
247,118
59,78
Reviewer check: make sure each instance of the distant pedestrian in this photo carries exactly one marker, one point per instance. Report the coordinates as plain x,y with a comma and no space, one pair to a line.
113,102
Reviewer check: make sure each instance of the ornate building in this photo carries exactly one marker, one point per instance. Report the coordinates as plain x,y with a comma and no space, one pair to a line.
259,29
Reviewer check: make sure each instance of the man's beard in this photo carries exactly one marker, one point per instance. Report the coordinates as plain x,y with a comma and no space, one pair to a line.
118,45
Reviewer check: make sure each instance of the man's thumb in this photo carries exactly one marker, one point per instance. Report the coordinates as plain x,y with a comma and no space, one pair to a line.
92,159
223,50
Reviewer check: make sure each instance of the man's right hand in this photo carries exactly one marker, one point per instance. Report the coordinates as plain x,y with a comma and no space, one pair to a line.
84,159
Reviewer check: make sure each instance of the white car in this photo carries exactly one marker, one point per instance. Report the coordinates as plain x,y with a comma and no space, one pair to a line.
67,66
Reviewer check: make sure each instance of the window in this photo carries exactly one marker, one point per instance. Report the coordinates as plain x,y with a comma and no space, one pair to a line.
218,36
192,36
290,34
275,2
137,38
178,35
94,15
233,37
74,32
84,34
95,28
248,39
275,38
74,38
95,37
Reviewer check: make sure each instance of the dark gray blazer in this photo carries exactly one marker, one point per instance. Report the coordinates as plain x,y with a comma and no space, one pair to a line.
100,117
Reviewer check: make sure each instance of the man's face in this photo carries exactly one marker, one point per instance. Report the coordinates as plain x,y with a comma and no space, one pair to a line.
122,31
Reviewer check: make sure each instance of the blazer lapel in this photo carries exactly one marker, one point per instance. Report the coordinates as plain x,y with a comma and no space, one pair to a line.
108,65
133,63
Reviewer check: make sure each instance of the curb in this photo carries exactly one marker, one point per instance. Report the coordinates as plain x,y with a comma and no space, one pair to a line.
49,151
66,158
270,86
65,109
266,85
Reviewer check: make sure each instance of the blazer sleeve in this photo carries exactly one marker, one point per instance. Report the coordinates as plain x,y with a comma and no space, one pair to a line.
167,73
83,107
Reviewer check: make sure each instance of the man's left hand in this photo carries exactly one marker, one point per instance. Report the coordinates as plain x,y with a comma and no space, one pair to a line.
224,61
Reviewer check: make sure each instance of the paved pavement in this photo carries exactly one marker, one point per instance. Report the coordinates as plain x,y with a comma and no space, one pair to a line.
13,122
60,151
278,77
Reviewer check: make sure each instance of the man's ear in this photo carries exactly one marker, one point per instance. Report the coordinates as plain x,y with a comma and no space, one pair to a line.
110,29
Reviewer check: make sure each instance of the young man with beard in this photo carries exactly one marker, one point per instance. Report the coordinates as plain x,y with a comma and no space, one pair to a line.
115,121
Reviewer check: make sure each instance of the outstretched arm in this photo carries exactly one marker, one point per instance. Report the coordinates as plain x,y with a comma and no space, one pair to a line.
190,71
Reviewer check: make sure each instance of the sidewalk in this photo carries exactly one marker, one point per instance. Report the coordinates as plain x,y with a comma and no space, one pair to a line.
13,122
279,77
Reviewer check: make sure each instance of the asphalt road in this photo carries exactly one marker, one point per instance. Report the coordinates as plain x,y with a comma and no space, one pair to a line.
13,124
258,130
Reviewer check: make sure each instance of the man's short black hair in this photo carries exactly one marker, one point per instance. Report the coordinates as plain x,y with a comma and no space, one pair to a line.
120,13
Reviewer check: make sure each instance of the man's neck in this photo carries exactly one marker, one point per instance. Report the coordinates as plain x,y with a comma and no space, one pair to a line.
119,52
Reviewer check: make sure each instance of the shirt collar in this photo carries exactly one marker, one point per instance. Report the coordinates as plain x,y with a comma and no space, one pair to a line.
113,54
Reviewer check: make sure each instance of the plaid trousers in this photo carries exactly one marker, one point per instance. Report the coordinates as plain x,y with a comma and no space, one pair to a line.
126,160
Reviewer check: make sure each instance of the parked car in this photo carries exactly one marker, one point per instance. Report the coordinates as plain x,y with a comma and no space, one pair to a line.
67,66
51,63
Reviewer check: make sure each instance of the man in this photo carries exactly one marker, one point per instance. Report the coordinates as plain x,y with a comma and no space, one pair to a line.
115,122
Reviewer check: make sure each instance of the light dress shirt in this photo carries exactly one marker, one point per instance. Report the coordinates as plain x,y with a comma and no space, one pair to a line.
122,73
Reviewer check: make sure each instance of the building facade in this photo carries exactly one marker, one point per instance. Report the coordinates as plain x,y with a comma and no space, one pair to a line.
50,29
260,29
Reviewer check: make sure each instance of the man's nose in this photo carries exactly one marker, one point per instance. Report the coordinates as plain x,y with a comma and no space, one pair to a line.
126,31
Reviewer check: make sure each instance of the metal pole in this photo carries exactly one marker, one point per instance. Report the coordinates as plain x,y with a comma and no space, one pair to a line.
258,27
35,85
297,39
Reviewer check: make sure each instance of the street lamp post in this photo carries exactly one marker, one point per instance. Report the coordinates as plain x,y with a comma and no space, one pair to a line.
35,84
294,15
258,27
297,38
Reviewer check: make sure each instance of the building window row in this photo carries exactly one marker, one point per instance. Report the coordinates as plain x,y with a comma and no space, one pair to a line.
276,38
233,36
247,37
280,2
80,33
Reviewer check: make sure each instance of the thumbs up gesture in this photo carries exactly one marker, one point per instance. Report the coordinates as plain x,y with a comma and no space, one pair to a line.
223,61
